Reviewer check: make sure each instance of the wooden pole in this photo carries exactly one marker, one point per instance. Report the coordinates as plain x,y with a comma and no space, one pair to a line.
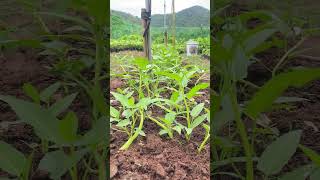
173,24
146,21
165,25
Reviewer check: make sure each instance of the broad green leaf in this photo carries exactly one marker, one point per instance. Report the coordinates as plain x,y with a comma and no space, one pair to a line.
32,92
315,157
145,102
196,89
141,63
124,123
141,132
96,135
163,131
172,76
57,163
174,96
240,64
127,113
184,82
61,105
227,42
169,118
178,129
12,161
224,115
264,98
256,39
122,99
76,20
189,131
45,125
297,174
49,91
197,110
114,112
99,100
278,153
198,121
68,127
131,101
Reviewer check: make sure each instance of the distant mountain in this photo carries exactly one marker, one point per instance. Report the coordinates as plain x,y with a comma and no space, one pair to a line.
195,16
124,23
126,16
191,17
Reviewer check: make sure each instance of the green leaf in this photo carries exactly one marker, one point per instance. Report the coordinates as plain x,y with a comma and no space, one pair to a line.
68,127
163,131
114,112
258,38
178,129
57,163
196,89
265,97
241,63
297,174
315,157
32,92
124,123
45,125
49,91
141,63
189,131
225,113
172,76
197,110
278,153
145,102
169,118
12,161
62,104
198,121
122,99
96,135
76,20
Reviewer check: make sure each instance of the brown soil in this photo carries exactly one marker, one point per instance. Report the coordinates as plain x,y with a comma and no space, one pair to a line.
155,157
17,68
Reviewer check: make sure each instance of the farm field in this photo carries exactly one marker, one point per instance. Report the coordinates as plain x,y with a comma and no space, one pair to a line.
160,117
153,156
226,92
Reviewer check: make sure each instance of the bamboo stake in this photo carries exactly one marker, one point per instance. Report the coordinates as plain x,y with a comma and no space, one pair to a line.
146,20
173,23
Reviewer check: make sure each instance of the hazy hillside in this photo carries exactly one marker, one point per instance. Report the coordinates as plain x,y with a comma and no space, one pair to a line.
191,17
124,23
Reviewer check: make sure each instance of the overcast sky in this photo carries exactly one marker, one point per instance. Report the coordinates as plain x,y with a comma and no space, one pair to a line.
134,6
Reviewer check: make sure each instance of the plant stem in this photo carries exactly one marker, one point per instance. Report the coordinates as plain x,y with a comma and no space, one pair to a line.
162,126
284,57
99,56
132,138
204,142
243,135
